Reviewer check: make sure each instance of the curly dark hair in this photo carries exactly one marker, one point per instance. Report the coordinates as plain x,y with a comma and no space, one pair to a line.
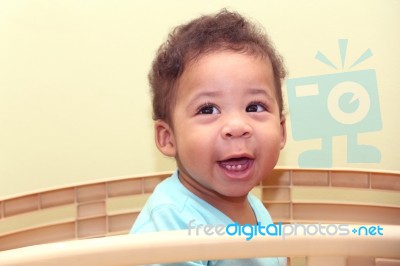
225,30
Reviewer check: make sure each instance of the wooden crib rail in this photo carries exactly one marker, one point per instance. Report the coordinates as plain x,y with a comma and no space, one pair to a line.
108,207
175,246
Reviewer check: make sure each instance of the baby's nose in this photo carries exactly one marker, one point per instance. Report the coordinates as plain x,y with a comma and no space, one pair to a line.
236,127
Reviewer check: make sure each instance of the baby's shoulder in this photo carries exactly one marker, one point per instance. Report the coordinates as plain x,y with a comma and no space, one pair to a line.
167,195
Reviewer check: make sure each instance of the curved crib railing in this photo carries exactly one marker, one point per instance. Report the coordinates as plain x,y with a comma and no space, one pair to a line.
105,208
175,246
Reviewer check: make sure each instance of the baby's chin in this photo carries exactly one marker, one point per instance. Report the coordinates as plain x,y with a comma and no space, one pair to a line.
238,193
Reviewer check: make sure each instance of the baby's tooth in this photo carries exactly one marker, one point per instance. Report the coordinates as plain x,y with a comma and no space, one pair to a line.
234,167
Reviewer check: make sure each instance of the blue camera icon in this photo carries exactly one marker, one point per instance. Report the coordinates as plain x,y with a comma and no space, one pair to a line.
325,106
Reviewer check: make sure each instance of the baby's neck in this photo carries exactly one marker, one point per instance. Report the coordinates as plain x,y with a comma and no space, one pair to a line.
240,213
238,209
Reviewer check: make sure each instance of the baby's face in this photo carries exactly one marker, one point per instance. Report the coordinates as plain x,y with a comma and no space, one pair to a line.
228,132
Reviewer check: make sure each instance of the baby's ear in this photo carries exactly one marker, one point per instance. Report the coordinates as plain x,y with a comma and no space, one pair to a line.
164,138
283,132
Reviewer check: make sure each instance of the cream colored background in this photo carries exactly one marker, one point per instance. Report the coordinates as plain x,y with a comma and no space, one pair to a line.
74,101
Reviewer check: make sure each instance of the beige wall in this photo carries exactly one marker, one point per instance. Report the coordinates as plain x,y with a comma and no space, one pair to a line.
74,101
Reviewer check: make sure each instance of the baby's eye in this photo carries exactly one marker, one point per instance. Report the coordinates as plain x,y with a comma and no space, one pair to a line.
255,107
208,109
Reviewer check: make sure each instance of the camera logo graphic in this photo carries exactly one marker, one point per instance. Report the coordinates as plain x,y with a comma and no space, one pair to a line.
339,104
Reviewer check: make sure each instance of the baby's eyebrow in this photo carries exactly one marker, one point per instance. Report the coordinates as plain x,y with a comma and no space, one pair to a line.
217,93
205,94
265,93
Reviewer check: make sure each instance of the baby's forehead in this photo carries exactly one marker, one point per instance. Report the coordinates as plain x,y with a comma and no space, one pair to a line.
194,57
223,62
212,64
212,73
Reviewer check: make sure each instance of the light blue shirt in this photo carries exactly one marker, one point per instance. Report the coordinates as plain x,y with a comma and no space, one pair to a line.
172,207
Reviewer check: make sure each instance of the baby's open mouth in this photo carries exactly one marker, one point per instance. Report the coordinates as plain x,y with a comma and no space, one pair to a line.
236,164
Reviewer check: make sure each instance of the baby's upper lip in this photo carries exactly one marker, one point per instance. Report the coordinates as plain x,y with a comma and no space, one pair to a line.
237,156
